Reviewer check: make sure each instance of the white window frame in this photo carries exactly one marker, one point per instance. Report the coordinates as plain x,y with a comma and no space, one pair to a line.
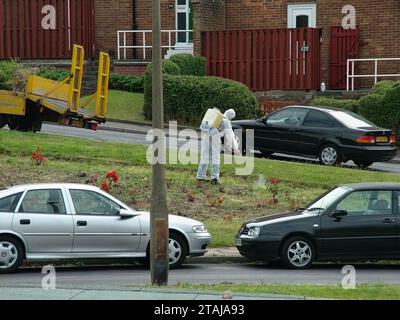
295,10
183,9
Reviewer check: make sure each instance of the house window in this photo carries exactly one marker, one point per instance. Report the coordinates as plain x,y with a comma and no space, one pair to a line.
184,21
302,16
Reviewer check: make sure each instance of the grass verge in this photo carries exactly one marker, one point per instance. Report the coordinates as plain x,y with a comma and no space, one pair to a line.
362,291
123,105
223,208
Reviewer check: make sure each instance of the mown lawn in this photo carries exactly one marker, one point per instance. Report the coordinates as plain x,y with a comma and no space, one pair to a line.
242,197
123,105
362,291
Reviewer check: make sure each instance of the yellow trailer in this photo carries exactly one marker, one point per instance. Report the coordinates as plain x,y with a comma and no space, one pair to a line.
57,102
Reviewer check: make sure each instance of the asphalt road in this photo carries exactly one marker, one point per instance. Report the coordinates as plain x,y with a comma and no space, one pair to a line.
122,277
137,138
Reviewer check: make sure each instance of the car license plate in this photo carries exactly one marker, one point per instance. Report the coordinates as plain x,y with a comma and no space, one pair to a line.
238,242
382,139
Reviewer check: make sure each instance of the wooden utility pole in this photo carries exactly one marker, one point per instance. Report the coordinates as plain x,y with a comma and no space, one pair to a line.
159,257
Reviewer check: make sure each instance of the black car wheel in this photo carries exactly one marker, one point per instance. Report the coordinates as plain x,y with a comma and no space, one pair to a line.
11,254
363,164
298,253
330,155
178,251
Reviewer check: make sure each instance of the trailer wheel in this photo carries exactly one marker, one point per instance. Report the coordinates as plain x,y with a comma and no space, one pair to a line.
13,122
3,120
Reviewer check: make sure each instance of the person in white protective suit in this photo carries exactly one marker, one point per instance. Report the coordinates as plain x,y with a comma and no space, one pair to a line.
211,146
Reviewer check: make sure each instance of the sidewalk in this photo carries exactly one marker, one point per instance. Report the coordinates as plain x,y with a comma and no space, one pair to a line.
144,294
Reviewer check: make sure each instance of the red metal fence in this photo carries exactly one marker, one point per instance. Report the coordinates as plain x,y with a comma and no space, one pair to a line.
344,45
22,35
279,59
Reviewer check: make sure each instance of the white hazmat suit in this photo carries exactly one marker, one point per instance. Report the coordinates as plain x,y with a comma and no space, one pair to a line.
211,146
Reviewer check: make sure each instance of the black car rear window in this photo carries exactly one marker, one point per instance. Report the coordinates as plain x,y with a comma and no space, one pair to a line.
9,203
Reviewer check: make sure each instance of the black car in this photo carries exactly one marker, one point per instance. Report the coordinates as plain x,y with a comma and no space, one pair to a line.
332,135
349,223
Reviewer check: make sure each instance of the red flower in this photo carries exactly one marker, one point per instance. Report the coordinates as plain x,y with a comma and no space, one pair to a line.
112,175
41,159
105,187
220,200
275,181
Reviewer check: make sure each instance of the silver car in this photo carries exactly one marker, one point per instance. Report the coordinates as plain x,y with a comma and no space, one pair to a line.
70,221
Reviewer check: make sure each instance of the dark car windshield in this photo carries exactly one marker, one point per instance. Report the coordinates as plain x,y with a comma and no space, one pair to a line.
351,119
326,200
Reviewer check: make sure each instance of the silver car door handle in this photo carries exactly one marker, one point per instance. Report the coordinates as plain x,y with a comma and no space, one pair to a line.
25,222
81,223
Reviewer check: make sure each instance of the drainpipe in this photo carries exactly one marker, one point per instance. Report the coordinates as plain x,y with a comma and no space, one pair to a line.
134,25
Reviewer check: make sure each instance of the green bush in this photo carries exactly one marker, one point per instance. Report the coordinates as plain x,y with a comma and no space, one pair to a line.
9,73
190,65
383,110
348,104
187,98
52,73
383,86
125,82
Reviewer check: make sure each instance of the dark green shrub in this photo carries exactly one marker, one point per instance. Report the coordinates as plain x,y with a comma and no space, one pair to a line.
52,73
169,67
383,86
383,110
125,82
190,65
348,104
371,108
187,98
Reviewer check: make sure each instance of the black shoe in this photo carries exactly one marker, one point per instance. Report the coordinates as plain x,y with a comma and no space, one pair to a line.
214,181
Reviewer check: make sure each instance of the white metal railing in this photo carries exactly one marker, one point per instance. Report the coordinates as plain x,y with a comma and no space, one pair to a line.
351,76
172,44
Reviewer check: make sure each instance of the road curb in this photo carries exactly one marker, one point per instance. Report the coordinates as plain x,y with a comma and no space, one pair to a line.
148,124
135,131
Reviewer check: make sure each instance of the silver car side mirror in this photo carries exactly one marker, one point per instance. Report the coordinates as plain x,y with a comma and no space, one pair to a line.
126,213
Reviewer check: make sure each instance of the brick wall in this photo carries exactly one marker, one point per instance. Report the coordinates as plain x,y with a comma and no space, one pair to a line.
111,16
207,15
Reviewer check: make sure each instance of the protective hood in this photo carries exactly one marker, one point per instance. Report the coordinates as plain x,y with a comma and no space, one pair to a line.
230,114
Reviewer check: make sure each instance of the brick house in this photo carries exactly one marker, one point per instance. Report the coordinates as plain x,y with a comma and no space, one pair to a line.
95,24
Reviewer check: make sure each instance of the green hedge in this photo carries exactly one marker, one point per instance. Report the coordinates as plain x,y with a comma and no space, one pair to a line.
125,82
53,73
383,87
347,104
190,65
383,110
187,98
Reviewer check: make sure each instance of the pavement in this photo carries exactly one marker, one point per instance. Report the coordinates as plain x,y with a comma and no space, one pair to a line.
134,293
137,127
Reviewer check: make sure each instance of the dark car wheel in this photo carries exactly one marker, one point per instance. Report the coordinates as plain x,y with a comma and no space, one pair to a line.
363,164
330,155
3,120
298,253
178,251
11,254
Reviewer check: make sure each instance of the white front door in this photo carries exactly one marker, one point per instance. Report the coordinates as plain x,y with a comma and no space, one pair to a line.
302,16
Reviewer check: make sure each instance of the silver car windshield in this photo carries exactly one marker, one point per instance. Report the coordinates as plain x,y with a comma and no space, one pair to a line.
327,200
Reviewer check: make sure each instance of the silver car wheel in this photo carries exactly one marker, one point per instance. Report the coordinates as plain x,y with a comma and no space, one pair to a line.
8,255
175,251
329,156
299,254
